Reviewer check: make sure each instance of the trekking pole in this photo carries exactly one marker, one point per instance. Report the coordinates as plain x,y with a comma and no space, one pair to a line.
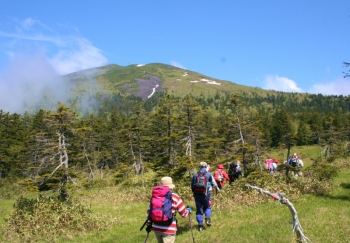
189,217
143,224
147,231
146,237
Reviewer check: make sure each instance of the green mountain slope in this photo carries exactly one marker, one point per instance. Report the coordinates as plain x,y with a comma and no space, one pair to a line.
90,88
140,81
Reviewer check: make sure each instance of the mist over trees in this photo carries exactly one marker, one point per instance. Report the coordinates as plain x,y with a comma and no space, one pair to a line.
131,135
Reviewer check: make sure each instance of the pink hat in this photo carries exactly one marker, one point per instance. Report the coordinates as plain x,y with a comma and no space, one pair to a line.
275,160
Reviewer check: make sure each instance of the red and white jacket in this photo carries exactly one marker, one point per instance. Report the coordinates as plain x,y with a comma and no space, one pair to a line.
177,205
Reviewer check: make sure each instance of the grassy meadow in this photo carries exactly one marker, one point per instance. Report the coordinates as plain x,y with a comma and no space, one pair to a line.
239,215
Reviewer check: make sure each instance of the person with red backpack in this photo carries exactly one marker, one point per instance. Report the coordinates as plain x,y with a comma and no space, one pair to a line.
161,212
199,187
221,176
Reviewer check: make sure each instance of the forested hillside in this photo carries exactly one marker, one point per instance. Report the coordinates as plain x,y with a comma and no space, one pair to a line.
129,134
122,127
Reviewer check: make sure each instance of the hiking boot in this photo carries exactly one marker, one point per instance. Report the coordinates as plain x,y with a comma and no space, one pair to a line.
200,227
208,222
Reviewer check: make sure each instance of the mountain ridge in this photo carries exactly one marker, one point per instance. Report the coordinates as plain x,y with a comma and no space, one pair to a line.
140,80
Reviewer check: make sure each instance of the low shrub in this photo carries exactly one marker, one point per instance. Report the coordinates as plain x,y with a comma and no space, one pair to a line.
45,218
10,190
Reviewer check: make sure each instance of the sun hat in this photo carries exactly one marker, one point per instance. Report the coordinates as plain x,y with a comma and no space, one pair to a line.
167,181
275,160
220,166
203,164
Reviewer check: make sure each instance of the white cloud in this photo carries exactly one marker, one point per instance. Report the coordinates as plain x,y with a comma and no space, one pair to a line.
84,56
28,80
21,38
339,86
67,53
275,82
27,23
35,58
177,64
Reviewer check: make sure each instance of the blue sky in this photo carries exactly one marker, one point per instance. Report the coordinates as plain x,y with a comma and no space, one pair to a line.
289,45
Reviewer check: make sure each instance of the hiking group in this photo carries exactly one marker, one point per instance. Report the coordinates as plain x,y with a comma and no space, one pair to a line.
293,161
165,203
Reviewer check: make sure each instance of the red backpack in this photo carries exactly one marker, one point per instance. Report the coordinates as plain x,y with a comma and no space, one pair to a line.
218,176
201,183
161,206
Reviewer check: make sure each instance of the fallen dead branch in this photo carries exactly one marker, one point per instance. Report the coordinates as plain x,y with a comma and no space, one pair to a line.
296,224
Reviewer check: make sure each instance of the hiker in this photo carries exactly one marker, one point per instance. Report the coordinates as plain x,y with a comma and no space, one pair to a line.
166,233
295,160
274,164
199,186
234,171
221,176
268,163
297,164
210,187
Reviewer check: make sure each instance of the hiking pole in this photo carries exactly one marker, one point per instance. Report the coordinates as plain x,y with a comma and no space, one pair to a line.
146,237
189,217
143,224
146,230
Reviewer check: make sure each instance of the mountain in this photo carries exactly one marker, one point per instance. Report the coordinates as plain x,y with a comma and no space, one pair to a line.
142,82
145,80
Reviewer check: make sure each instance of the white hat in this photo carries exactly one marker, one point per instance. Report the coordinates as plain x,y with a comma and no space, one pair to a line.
167,181
203,164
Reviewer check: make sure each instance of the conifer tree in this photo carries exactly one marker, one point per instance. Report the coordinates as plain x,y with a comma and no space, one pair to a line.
54,141
164,129
190,110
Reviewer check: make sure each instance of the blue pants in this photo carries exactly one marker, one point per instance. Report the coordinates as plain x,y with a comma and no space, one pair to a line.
202,206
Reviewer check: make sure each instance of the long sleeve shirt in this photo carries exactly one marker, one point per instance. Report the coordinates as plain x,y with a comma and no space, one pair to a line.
224,174
211,185
177,206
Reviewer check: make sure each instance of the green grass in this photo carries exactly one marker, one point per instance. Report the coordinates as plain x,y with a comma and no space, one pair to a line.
323,218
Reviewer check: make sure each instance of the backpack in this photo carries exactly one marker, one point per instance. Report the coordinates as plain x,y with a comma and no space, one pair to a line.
232,171
218,175
161,206
201,183
295,162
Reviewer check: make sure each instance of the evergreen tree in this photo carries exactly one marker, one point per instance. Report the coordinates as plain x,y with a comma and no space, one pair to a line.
54,143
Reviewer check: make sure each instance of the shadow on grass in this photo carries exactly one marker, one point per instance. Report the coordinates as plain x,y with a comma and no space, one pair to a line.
181,229
340,197
345,185
343,197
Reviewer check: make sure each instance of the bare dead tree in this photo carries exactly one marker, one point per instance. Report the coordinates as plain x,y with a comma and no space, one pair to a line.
281,199
137,165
